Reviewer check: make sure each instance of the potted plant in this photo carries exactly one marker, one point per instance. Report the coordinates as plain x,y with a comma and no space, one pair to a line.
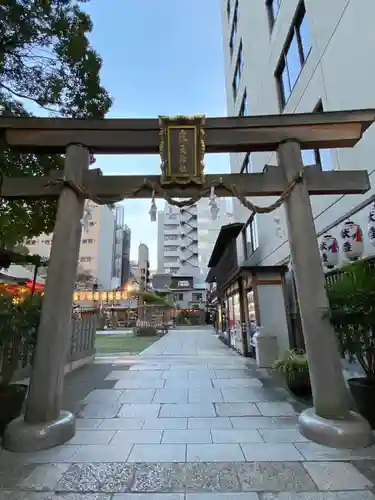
19,319
294,367
352,314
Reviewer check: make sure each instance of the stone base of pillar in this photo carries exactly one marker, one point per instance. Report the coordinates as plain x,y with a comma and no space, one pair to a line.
20,436
351,433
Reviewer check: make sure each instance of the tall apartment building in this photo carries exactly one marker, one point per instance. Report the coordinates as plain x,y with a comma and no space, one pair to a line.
292,56
118,241
177,251
96,250
126,241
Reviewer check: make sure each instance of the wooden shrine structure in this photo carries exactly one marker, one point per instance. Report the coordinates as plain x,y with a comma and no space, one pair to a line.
182,142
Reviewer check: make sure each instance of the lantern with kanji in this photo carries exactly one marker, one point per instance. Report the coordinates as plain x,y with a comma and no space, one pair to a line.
371,225
352,237
329,251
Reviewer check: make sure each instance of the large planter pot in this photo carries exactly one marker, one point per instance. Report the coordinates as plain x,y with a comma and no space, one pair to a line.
363,392
300,387
12,398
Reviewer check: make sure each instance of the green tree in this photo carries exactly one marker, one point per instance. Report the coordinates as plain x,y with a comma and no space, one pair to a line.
46,60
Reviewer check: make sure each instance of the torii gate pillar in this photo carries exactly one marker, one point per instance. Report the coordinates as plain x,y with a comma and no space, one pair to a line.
331,422
44,424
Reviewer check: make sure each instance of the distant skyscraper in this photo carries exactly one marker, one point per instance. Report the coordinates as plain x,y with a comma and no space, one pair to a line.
118,237
126,242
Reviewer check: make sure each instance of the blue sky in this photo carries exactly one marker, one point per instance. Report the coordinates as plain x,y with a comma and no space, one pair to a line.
160,57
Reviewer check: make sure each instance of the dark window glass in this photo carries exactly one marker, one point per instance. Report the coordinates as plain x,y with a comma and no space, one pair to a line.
244,109
237,72
297,48
273,7
321,157
293,62
234,29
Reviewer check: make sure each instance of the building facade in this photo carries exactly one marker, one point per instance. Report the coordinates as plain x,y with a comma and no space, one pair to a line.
178,241
126,242
118,242
143,263
97,245
295,56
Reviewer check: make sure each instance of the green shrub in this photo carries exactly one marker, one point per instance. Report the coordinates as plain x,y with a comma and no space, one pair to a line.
18,326
293,365
352,314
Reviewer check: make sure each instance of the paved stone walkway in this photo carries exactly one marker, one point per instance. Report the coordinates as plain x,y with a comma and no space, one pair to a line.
189,420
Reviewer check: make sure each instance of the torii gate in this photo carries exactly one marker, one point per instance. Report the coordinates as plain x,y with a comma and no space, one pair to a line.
182,141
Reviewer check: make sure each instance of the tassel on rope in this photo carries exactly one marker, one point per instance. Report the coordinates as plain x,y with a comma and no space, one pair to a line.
153,208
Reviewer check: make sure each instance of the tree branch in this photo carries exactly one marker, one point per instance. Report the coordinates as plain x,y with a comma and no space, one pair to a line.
29,98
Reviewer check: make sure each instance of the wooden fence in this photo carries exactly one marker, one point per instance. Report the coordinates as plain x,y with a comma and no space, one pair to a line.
82,345
335,275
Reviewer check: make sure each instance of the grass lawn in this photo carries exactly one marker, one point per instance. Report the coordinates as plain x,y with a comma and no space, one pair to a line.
105,344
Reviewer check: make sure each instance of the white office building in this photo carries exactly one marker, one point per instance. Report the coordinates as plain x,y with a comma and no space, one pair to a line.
292,56
97,244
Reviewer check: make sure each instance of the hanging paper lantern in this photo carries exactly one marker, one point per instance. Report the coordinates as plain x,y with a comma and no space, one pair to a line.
352,237
371,225
329,250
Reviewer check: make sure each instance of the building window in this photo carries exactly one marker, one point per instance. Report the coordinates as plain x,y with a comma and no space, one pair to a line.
251,237
273,7
320,157
170,237
171,248
171,258
297,48
171,226
246,165
197,297
238,72
234,29
178,296
244,111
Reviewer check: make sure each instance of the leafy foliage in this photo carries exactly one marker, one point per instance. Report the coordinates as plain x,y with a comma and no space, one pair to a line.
155,298
45,59
18,325
352,314
293,365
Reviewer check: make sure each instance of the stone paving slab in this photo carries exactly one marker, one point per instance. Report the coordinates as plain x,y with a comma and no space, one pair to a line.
352,495
263,478
187,419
